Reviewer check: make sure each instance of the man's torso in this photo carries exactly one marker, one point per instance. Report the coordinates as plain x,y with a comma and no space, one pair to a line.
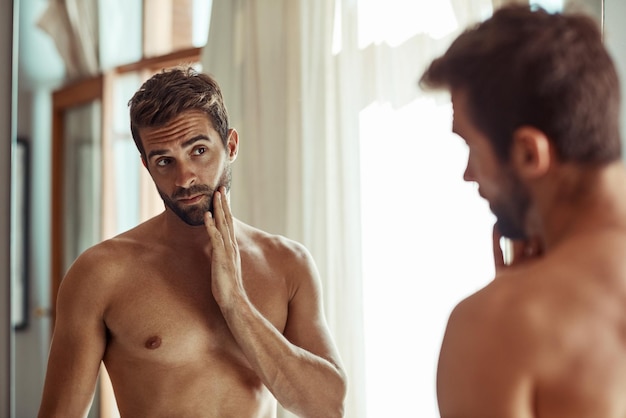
169,350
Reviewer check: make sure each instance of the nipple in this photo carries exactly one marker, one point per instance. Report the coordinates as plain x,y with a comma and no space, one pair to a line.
153,342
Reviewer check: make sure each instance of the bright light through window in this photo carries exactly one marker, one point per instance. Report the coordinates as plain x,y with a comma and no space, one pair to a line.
426,245
551,6
426,233
395,21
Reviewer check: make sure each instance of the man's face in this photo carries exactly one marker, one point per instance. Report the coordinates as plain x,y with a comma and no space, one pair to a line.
188,163
497,182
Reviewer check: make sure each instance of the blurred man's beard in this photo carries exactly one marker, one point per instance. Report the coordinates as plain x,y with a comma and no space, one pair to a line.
194,214
511,209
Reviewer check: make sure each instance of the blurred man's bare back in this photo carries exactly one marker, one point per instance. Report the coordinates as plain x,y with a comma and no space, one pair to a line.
576,305
548,336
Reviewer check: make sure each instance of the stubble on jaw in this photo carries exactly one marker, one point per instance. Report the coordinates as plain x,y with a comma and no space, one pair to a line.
511,208
194,215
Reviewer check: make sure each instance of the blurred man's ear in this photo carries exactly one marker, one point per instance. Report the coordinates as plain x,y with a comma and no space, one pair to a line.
531,153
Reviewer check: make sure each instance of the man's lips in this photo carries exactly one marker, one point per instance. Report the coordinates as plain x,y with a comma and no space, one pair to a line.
190,200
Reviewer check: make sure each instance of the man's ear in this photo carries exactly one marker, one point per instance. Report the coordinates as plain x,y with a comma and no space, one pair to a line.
532,153
143,161
232,144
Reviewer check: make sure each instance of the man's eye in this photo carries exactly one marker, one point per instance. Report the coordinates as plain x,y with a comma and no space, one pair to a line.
199,151
162,162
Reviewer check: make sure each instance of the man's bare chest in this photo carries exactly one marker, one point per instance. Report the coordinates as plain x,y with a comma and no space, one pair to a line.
165,312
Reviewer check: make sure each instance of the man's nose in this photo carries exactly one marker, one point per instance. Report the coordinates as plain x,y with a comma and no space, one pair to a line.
185,175
467,174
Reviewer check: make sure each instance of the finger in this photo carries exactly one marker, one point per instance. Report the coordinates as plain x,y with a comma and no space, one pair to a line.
498,255
218,211
209,222
519,250
211,228
217,243
221,220
228,214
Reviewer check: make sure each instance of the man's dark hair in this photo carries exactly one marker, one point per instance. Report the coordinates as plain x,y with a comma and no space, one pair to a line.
169,93
525,66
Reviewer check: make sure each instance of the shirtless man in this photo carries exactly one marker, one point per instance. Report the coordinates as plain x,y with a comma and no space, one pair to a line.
194,313
536,99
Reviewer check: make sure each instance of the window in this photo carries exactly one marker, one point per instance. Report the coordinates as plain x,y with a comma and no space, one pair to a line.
174,25
426,233
426,245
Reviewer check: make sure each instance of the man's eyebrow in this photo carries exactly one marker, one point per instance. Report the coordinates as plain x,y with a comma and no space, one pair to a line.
195,139
156,152
187,143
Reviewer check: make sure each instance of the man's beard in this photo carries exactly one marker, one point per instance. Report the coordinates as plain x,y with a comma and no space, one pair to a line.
194,214
512,208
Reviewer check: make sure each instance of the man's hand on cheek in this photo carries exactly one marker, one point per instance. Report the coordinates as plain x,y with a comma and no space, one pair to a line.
226,282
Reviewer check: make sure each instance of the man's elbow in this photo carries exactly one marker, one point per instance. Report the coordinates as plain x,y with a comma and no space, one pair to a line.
334,405
327,402
338,398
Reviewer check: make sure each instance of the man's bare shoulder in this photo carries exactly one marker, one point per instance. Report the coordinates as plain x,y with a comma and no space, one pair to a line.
583,271
541,331
253,240
485,361
280,257
110,259
506,305
126,245
494,347
548,297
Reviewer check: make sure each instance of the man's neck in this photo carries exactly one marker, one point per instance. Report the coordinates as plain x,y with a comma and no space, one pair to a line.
178,233
579,200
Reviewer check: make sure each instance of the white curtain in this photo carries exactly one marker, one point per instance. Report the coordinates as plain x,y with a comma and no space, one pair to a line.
297,170
296,77
93,36
73,25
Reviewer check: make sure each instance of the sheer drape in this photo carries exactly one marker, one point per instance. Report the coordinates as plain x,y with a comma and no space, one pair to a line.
295,80
296,172
93,36
73,25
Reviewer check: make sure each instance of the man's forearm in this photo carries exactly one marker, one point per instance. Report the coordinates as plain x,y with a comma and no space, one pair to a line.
302,382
